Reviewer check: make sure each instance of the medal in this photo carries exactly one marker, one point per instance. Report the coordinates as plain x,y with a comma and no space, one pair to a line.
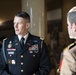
10,44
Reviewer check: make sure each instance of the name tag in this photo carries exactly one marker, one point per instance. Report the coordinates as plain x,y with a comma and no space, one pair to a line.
10,52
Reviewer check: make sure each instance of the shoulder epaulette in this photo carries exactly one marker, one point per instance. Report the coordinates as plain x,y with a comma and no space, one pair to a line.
5,39
68,47
41,38
72,45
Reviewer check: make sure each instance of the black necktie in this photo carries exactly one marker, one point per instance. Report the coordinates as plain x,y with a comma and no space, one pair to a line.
22,42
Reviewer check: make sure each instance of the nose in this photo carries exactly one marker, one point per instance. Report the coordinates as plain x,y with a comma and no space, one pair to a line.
16,25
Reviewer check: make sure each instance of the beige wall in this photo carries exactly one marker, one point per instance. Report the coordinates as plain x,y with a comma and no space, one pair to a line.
36,10
8,8
64,38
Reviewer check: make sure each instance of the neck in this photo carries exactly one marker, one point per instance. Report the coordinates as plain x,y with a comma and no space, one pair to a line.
23,34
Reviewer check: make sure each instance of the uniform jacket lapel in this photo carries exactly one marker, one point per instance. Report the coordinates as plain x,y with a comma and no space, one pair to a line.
28,43
17,43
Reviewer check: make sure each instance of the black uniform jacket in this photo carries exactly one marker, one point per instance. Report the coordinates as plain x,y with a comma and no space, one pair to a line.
33,59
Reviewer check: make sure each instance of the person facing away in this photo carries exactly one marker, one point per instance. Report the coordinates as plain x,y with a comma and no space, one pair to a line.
68,56
30,58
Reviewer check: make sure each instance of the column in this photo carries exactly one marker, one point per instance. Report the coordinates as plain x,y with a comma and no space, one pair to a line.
35,8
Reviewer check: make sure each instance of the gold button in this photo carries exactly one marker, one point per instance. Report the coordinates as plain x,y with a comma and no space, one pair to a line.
21,56
21,63
21,70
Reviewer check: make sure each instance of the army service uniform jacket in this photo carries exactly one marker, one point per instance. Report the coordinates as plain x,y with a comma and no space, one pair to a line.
68,60
33,59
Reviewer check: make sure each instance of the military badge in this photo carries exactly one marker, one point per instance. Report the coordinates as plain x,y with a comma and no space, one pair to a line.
11,49
33,47
9,45
16,44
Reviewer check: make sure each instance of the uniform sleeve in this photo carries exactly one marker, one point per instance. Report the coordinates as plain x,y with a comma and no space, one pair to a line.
68,64
3,66
45,64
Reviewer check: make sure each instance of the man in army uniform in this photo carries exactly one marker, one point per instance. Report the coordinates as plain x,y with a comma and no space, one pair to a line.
68,56
24,54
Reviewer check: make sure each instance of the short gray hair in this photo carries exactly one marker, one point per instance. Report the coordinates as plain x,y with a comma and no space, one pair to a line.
71,16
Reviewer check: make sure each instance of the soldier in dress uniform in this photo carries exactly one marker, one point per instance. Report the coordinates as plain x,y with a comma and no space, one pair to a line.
68,56
29,56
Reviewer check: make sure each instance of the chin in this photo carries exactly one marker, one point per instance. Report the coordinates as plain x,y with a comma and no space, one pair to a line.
16,33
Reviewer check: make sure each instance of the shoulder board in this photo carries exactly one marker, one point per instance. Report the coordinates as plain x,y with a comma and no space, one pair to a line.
41,38
68,47
5,39
71,45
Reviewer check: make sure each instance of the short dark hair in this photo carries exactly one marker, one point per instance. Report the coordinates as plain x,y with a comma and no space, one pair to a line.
72,17
23,15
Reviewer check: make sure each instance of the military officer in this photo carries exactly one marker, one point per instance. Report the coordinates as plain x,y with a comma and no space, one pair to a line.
24,54
68,56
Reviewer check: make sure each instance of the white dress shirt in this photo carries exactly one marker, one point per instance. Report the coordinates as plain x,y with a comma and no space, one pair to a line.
25,37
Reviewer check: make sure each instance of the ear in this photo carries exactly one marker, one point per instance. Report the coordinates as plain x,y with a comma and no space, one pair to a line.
27,25
74,24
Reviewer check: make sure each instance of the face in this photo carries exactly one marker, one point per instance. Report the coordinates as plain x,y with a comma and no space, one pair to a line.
20,26
71,29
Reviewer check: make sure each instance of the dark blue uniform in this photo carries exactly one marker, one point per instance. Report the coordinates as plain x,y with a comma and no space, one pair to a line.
33,59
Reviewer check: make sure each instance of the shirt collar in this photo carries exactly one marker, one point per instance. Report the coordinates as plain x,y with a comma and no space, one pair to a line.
25,37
